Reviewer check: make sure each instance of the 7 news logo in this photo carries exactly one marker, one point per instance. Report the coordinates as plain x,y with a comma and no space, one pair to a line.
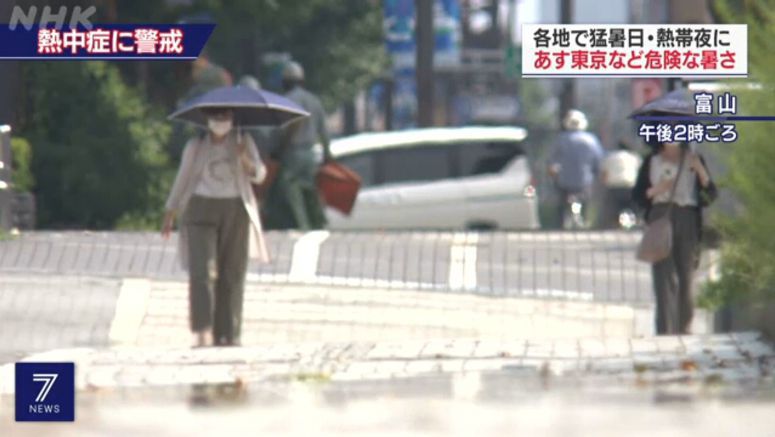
45,392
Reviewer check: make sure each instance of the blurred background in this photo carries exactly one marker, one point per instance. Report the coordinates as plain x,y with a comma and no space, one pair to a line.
360,57
87,146
378,65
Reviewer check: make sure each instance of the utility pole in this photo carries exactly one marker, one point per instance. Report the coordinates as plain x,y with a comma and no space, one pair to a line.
388,83
9,73
424,61
568,92
349,118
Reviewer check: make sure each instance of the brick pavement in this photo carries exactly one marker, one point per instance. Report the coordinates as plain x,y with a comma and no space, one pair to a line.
304,313
316,329
47,312
481,404
310,347
740,358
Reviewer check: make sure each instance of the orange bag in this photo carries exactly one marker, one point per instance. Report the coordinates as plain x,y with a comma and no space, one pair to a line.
338,186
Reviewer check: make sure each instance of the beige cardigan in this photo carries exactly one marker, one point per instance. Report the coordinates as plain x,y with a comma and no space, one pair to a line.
192,164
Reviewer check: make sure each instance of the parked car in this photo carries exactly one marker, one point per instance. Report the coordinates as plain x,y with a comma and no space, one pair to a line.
439,178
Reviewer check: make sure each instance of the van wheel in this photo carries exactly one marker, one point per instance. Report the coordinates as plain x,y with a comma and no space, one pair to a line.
481,226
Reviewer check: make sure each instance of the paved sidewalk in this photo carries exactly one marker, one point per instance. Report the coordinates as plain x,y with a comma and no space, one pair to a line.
42,312
39,313
347,361
420,407
712,358
708,385
275,314
733,357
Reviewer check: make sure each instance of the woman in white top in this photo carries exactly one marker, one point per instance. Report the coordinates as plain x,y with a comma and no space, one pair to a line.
618,173
673,164
219,226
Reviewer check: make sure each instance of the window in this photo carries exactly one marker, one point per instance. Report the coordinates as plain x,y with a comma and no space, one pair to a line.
363,164
486,158
415,164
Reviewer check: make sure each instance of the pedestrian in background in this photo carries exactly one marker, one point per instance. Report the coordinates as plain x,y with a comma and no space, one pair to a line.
205,76
674,180
213,191
575,162
293,201
263,136
618,174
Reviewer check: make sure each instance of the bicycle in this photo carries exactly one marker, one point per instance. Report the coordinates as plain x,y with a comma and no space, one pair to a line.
574,213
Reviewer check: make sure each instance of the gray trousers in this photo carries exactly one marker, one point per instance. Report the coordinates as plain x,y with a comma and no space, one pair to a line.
293,201
218,232
673,276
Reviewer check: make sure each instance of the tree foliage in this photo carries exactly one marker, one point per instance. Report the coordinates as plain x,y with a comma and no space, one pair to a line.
21,151
98,130
748,254
339,42
97,144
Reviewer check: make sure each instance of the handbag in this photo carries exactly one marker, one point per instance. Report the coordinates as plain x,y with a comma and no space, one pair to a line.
657,240
338,186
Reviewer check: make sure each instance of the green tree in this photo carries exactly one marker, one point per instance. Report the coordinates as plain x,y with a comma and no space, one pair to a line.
23,180
98,145
748,252
339,42
97,129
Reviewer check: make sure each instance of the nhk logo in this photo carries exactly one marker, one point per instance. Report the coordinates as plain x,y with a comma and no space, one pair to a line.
45,392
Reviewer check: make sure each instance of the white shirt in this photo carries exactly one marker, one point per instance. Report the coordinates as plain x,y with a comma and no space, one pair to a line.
621,169
684,191
219,176
192,164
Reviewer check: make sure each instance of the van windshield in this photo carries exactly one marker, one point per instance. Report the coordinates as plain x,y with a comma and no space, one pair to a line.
487,157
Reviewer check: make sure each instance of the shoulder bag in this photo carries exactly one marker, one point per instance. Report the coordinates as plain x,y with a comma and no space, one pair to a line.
657,240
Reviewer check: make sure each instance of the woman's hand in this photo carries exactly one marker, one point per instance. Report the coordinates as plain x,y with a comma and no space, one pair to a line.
166,227
245,159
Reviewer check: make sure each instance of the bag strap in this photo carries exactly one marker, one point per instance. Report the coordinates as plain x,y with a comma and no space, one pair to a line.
675,183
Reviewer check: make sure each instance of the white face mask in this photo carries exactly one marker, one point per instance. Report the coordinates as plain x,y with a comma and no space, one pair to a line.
219,127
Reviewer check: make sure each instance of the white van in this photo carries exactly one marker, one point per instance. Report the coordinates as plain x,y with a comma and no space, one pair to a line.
439,178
